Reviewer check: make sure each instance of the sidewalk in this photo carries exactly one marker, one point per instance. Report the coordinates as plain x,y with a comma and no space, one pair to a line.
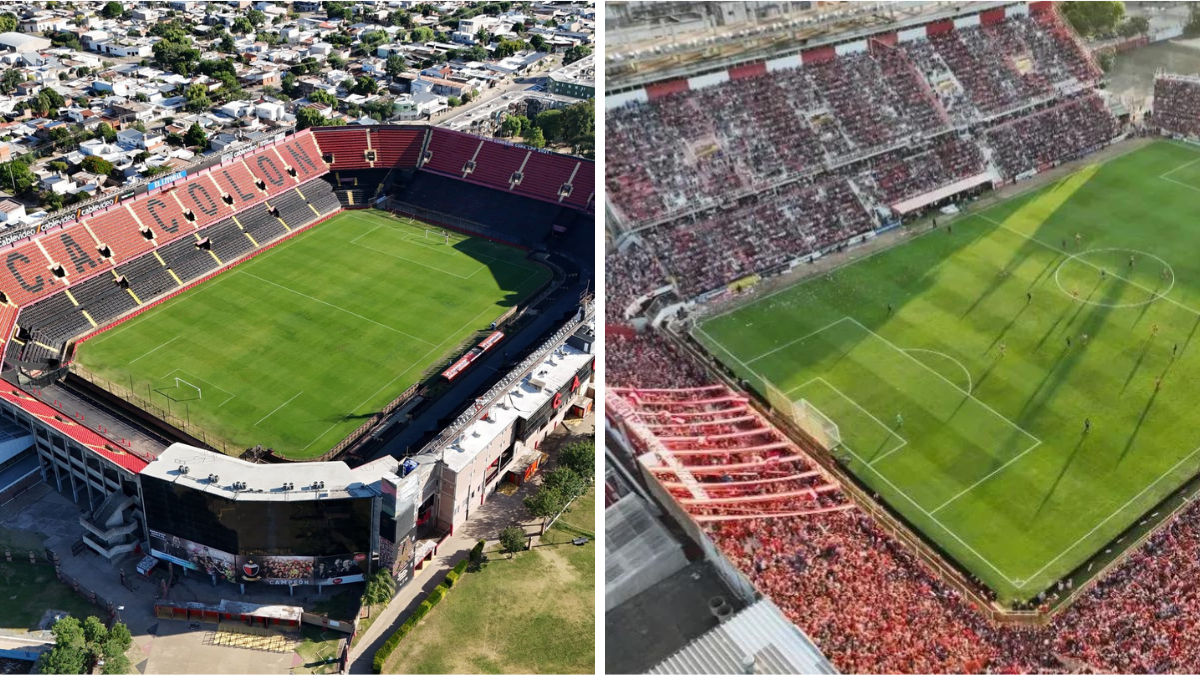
497,513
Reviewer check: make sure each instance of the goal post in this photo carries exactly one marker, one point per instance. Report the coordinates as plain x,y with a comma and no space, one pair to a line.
806,416
180,384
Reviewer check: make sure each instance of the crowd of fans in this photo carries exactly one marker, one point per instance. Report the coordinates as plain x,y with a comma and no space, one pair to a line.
1065,131
762,231
871,606
1177,105
628,275
747,175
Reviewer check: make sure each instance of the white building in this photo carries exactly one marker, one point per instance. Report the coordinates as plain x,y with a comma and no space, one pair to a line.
11,211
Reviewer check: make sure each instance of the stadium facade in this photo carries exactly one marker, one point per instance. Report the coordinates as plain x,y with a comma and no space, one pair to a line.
145,483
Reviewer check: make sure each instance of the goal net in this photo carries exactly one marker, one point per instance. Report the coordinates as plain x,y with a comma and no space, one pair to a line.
806,416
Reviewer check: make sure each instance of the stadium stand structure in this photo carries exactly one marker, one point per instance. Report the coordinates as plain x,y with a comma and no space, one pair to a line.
1007,93
1177,104
75,279
773,161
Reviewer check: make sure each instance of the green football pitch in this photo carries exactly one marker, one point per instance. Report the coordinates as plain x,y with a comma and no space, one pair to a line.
963,365
297,347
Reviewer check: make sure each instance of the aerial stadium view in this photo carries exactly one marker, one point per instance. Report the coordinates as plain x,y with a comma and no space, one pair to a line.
901,318
298,344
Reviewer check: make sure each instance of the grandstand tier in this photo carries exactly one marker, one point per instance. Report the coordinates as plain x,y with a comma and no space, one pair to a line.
749,170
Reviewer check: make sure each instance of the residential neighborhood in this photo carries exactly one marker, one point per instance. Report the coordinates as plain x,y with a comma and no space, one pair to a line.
99,98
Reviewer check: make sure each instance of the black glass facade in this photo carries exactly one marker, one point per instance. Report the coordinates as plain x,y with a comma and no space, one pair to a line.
325,527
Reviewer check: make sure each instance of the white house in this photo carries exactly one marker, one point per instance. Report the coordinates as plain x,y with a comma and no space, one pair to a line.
269,111
11,211
98,148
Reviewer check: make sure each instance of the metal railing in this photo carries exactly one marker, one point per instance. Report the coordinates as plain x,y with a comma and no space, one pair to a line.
473,413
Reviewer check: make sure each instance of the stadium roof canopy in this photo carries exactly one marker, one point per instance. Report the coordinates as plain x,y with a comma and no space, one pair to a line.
22,43
217,474
759,639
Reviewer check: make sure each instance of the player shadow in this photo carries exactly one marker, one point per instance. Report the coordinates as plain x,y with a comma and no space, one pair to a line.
1060,374
1137,364
1053,264
1070,460
1137,427
1005,274
1192,334
1004,331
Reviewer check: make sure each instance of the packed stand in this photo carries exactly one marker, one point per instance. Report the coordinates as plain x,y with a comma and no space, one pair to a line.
871,606
897,176
1177,105
628,275
758,233
1060,133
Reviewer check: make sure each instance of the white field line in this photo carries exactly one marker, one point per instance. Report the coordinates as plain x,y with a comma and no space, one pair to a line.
885,478
1155,294
408,236
839,392
970,382
933,518
354,241
789,343
946,380
979,482
156,349
279,408
1119,510
191,293
1180,167
343,309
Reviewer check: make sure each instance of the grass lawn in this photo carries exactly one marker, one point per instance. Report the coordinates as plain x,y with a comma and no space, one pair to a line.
33,589
295,348
961,366
535,613
316,647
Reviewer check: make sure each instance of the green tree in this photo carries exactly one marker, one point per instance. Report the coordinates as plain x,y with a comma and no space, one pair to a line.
226,44
507,48
483,37
512,539
119,635
579,456
61,136
336,62
544,503
476,53
288,84
513,125
96,165
579,127
115,661
421,34
242,25
197,98
59,167
175,140
10,79
112,10
365,85
196,137
1133,26
322,96
307,117
8,22
575,53
538,42
1097,18
95,633
106,132
535,138
394,65
16,176
453,101
550,122
256,17
567,482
